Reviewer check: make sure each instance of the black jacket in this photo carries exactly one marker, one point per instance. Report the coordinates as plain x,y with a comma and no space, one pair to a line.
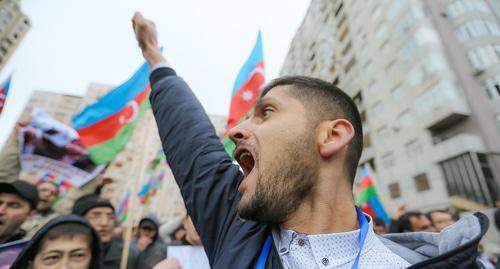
28,254
155,252
209,182
111,258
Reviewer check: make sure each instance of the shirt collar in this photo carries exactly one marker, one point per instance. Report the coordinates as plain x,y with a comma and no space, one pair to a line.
339,248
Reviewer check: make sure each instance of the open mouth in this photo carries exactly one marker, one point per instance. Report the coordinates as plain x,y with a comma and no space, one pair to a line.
246,160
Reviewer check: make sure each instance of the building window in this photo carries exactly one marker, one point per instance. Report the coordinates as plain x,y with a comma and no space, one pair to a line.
397,92
362,115
468,175
394,190
476,28
381,30
408,48
383,132
395,7
438,95
339,9
421,182
484,56
405,119
350,64
344,34
390,68
430,65
388,160
492,87
332,69
376,13
341,22
378,108
367,141
459,7
413,148
347,48
368,67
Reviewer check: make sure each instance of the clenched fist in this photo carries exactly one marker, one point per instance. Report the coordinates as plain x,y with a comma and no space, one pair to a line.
145,33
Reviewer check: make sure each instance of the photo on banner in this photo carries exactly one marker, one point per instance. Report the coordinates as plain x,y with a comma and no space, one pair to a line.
49,146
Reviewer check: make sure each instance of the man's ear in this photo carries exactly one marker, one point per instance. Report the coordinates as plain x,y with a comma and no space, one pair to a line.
334,136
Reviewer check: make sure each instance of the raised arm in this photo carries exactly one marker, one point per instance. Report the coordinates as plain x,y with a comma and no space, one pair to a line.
204,172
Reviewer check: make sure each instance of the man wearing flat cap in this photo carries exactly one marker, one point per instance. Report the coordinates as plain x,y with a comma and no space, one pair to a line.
18,200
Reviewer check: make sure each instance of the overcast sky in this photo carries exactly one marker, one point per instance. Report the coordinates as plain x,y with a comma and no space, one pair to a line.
74,43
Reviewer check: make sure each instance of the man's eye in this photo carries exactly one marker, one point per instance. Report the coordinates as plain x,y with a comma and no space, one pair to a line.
50,259
267,111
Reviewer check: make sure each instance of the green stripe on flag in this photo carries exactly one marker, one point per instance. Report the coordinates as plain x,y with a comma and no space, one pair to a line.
123,218
107,151
366,194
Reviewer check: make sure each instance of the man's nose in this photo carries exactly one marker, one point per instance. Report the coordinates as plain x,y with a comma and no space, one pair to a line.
239,133
3,208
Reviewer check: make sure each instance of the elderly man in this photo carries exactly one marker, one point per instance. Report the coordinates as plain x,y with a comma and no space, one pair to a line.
47,193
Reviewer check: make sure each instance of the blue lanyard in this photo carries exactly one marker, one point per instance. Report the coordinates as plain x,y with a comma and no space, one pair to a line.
363,232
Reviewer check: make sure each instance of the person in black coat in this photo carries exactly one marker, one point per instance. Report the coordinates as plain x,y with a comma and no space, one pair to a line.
64,242
100,213
148,242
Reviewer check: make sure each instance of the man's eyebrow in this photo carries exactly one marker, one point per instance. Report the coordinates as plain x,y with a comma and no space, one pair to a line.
258,103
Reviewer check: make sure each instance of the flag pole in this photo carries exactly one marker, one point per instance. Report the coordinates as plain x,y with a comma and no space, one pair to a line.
133,197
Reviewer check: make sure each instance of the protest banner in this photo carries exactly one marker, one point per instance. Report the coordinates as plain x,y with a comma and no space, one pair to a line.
49,146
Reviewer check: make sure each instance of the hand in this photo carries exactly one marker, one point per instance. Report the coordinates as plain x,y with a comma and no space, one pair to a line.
170,263
400,211
145,33
143,242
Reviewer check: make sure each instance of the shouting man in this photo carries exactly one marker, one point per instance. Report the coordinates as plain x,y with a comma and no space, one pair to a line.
299,153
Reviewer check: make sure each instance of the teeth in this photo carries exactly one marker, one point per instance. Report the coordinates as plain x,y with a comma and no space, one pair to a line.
245,154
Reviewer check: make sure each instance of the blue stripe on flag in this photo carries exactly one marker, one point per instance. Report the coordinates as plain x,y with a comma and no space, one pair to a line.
114,101
256,57
379,210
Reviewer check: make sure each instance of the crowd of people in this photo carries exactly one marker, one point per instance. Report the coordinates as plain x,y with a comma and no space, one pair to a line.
289,203
89,237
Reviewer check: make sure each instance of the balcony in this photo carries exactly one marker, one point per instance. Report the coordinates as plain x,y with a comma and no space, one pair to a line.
457,145
445,115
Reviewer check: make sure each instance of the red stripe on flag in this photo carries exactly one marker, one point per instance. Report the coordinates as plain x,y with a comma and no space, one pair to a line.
107,128
246,96
368,210
365,183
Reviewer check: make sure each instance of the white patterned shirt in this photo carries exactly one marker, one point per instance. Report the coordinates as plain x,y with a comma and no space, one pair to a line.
337,250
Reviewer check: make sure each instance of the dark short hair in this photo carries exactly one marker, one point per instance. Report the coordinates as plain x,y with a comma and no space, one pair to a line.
429,214
378,222
325,101
404,223
67,230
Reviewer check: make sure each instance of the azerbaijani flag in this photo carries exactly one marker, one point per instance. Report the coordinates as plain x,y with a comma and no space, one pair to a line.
106,126
368,199
121,213
246,90
4,90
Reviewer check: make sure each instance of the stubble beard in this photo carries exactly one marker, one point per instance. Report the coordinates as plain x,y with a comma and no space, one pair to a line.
283,186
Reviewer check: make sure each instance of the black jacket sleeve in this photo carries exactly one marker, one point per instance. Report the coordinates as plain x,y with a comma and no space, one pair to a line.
207,178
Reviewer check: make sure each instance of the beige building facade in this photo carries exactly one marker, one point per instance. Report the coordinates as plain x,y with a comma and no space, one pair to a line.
14,25
425,77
